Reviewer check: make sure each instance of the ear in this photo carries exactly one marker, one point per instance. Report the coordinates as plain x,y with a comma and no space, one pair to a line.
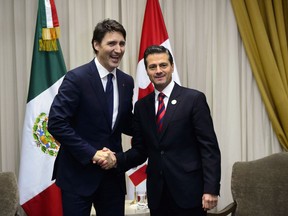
96,45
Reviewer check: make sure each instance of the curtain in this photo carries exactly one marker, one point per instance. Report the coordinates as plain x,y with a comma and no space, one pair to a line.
263,28
208,51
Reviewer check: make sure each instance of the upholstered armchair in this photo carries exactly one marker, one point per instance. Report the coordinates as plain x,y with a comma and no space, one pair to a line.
259,187
9,195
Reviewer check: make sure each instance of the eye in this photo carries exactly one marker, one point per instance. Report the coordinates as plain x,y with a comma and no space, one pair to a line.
111,43
163,65
152,67
122,43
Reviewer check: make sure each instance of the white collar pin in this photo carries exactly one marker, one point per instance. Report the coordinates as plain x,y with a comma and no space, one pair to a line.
173,102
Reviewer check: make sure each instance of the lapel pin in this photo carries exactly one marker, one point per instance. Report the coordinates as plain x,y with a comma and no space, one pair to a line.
173,102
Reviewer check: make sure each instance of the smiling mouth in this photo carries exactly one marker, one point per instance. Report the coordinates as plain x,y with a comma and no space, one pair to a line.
115,61
159,77
114,58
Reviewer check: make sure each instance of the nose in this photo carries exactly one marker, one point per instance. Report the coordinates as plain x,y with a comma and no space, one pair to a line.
118,48
158,69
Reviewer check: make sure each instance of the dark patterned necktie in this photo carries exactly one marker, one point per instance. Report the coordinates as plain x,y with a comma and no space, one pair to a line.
109,96
160,112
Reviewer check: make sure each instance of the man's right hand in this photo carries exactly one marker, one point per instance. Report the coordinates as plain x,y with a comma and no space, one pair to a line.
105,158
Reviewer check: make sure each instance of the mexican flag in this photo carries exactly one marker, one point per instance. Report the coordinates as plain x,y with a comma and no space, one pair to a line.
38,194
153,33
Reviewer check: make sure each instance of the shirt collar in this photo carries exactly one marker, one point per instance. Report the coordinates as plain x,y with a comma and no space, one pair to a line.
103,72
167,90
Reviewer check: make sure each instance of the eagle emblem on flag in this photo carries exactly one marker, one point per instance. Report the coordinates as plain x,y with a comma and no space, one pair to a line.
44,140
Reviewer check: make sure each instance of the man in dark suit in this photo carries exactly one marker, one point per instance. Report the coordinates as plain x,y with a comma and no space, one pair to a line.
80,120
183,172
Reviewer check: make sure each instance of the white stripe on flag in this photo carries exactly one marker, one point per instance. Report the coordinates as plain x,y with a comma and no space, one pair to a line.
49,19
33,160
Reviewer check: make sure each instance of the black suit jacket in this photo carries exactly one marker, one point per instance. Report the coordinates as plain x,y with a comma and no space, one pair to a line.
186,154
78,119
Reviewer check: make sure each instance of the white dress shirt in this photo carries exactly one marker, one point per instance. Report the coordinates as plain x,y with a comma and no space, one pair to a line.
167,91
103,72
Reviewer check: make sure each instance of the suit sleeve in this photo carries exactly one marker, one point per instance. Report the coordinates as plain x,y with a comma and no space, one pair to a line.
137,154
209,149
60,123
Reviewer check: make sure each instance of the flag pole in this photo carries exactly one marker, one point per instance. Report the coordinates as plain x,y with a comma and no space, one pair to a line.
134,201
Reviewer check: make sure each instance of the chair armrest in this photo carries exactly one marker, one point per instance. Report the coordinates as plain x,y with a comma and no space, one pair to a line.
227,210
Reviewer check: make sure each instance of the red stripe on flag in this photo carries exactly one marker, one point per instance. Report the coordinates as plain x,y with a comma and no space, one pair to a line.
144,92
154,30
46,203
138,176
54,14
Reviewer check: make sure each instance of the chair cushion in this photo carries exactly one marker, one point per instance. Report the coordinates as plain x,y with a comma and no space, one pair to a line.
260,187
9,198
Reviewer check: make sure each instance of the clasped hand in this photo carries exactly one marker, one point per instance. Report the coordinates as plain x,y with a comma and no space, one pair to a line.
105,158
209,201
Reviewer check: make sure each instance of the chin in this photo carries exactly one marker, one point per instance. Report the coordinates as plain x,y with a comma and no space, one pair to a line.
112,66
115,64
160,83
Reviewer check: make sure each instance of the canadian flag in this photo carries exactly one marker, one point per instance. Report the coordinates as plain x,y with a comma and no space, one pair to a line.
153,33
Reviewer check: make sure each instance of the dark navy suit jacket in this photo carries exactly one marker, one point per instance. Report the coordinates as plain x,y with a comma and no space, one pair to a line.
78,119
186,154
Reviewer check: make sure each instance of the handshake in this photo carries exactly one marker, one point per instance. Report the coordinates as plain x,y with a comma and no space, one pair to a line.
105,158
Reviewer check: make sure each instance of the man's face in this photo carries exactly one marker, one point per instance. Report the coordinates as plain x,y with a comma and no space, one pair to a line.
110,50
159,70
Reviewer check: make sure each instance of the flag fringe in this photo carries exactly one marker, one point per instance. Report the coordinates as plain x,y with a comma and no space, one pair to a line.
50,33
49,39
48,45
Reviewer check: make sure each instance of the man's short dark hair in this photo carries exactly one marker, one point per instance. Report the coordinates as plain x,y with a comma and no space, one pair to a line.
157,49
107,25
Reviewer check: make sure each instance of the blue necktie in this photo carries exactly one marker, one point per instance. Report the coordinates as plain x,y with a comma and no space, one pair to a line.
160,112
109,96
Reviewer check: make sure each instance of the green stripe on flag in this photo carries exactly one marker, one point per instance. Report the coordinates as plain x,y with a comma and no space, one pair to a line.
47,66
42,15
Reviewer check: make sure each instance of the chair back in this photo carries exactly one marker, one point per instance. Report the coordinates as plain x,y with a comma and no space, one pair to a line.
9,195
260,187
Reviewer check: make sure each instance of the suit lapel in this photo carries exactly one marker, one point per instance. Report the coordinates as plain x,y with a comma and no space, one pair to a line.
150,111
98,86
121,93
172,105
